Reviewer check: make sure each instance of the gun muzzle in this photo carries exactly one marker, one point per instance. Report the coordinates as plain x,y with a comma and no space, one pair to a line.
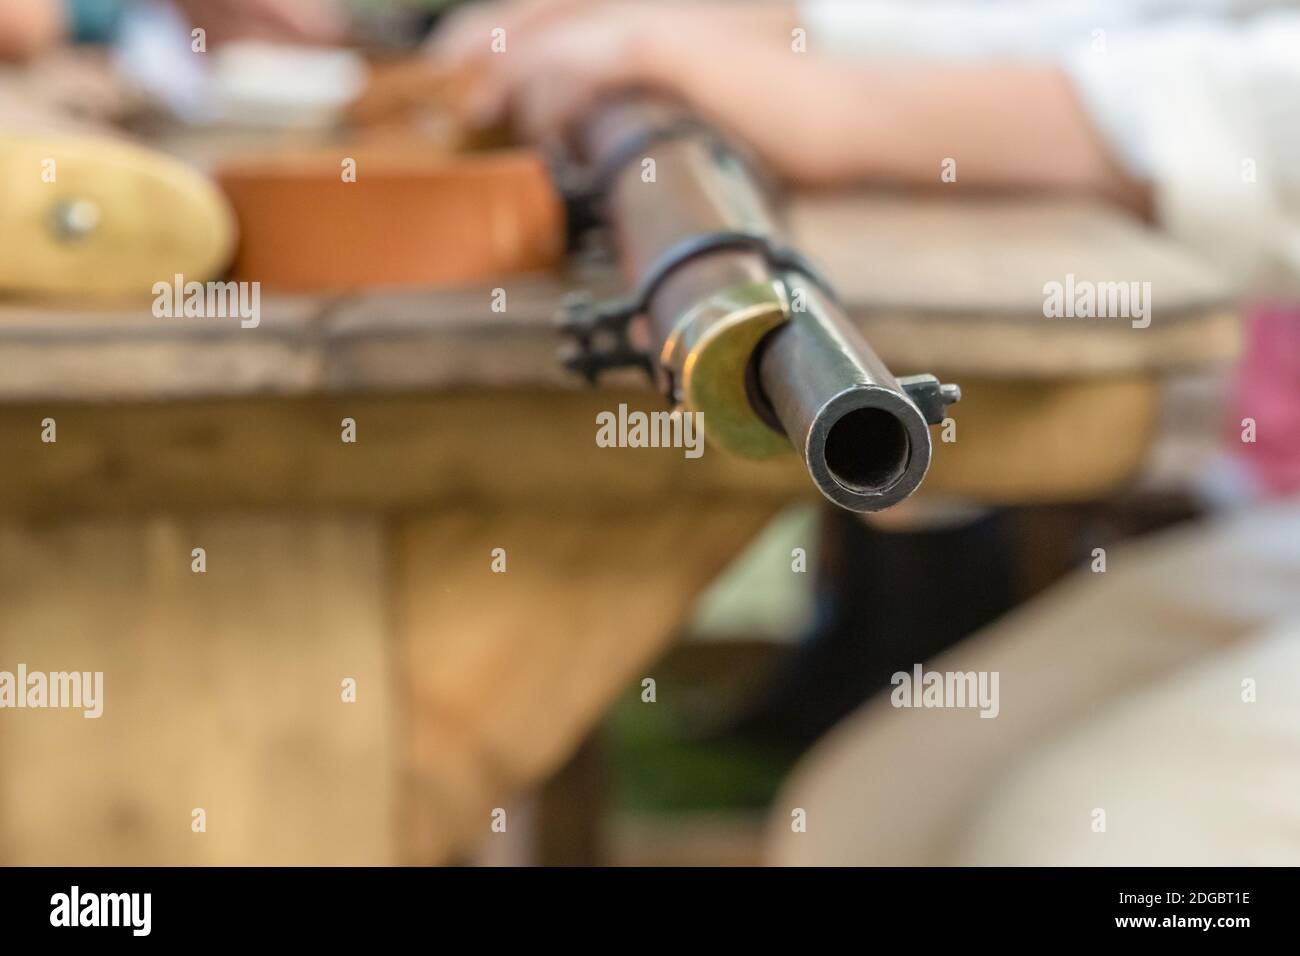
866,445
744,330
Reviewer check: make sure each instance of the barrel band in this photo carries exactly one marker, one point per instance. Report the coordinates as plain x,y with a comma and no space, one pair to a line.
599,329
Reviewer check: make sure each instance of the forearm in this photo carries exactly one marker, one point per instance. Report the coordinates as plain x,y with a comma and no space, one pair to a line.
1004,125
825,119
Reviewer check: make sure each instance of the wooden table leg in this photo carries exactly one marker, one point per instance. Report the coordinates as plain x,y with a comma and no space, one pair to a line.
222,691
505,672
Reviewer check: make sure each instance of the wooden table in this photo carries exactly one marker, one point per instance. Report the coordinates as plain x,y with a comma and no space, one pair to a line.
373,560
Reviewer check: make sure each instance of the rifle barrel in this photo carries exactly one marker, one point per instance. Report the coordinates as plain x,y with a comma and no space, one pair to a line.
763,350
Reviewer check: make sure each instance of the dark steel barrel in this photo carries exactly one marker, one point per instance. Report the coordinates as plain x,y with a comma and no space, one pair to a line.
762,350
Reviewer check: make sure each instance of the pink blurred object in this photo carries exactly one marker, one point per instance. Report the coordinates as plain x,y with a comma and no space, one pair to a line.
1268,390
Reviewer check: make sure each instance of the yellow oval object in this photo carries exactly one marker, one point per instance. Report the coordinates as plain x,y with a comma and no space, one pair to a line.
95,217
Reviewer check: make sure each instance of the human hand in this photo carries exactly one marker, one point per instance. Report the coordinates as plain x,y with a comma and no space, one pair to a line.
546,61
291,21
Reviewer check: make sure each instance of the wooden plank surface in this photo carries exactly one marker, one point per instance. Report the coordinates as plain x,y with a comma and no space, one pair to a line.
958,284
985,257
934,285
1015,442
506,672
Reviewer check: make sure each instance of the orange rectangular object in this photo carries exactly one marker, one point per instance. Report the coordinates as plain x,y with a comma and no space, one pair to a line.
410,218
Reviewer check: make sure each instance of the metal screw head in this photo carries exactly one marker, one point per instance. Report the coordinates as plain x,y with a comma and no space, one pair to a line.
74,219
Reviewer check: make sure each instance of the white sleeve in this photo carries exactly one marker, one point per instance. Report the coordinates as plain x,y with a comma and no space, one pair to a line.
977,29
1209,112
1023,29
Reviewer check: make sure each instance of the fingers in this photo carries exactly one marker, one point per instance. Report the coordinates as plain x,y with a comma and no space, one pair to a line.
556,57
469,33
540,89
567,68
308,21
